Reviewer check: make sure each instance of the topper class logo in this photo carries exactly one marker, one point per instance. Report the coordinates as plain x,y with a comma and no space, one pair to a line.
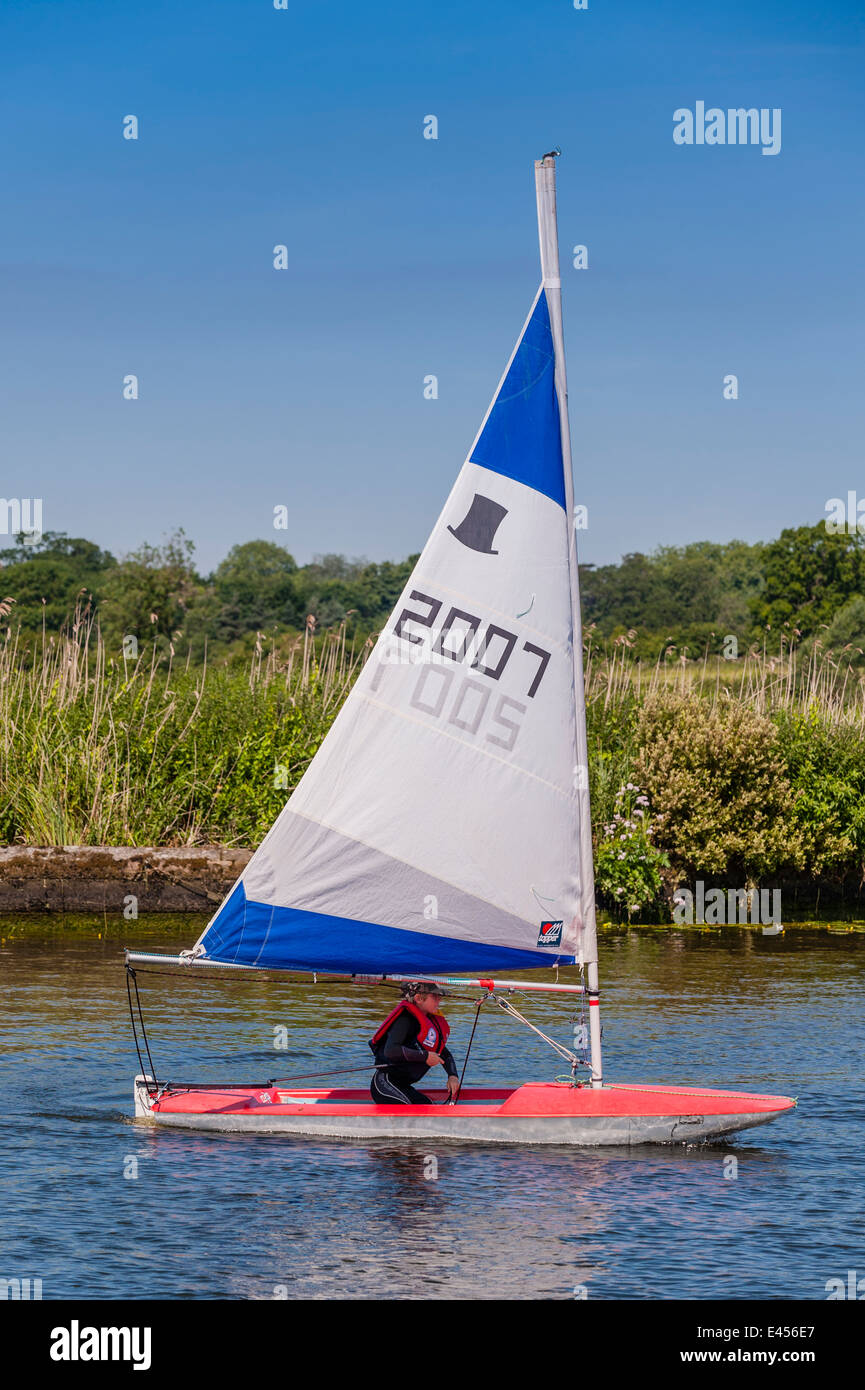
550,934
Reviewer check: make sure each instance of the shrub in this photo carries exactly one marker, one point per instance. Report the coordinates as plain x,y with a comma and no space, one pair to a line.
627,865
721,797
826,766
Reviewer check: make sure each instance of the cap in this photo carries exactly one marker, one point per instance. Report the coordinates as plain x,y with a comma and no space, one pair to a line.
424,987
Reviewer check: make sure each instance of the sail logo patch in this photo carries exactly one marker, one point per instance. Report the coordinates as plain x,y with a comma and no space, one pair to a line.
430,1037
550,934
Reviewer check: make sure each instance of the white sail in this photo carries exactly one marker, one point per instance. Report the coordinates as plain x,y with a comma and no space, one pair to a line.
444,822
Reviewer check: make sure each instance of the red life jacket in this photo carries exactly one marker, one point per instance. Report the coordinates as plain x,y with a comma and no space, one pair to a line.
433,1029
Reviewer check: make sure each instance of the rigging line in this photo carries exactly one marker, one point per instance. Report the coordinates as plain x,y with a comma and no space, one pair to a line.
446,994
469,1048
232,1086
141,1065
563,1051
131,982
144,1036
260,974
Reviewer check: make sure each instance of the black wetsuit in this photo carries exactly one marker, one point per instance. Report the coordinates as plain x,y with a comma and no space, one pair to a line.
405,1064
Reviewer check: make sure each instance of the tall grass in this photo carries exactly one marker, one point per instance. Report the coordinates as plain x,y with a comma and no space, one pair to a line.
96,748
789,681
101,749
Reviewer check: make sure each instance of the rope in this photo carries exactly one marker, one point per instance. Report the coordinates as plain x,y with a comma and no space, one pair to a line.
315,1075
259,976
563,1051
469,1048
131,982
262,1085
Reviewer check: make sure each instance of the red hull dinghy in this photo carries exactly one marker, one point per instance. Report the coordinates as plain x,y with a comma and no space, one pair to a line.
535,1113
443,828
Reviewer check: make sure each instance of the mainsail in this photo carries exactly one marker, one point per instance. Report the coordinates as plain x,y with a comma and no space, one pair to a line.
443,825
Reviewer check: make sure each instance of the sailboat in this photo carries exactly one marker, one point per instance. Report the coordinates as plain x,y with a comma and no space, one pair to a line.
442,831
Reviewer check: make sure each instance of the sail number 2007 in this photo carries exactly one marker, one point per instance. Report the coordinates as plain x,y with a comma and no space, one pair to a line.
465,703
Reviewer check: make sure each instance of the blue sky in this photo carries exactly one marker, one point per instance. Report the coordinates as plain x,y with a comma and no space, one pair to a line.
411,256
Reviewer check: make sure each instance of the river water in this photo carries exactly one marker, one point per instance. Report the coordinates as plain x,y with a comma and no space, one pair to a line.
97,1206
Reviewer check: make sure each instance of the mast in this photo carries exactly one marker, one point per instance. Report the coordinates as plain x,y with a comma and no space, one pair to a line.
545,188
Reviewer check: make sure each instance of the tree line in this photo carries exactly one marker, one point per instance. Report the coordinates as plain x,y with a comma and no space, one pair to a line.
157,594
806,585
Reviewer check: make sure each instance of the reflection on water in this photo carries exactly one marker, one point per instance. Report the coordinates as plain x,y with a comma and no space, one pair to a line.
261,1217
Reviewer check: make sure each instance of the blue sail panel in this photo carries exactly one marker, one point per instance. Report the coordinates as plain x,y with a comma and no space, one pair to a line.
245,932
521,437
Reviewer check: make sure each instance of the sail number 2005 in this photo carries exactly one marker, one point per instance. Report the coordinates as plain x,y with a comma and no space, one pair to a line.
467,707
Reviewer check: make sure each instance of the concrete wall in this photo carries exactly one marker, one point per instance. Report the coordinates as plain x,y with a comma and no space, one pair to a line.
85,878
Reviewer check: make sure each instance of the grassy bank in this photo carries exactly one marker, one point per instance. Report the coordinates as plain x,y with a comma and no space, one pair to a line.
734,773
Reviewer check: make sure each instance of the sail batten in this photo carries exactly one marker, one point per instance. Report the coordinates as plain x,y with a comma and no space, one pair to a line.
443,823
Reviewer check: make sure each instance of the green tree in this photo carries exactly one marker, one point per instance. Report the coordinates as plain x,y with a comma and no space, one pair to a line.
689,595
361,594
624,595
47,578
149,593
255,587
846,632
809,573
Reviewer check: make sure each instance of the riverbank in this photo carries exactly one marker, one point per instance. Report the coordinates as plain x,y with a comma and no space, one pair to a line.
121,882
170,928
733,775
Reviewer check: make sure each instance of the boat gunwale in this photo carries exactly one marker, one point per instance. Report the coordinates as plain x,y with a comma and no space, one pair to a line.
522,1102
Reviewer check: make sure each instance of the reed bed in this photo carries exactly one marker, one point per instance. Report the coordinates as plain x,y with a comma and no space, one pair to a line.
101,749
817,681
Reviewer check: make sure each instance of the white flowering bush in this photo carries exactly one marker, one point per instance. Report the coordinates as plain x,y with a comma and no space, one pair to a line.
627,864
